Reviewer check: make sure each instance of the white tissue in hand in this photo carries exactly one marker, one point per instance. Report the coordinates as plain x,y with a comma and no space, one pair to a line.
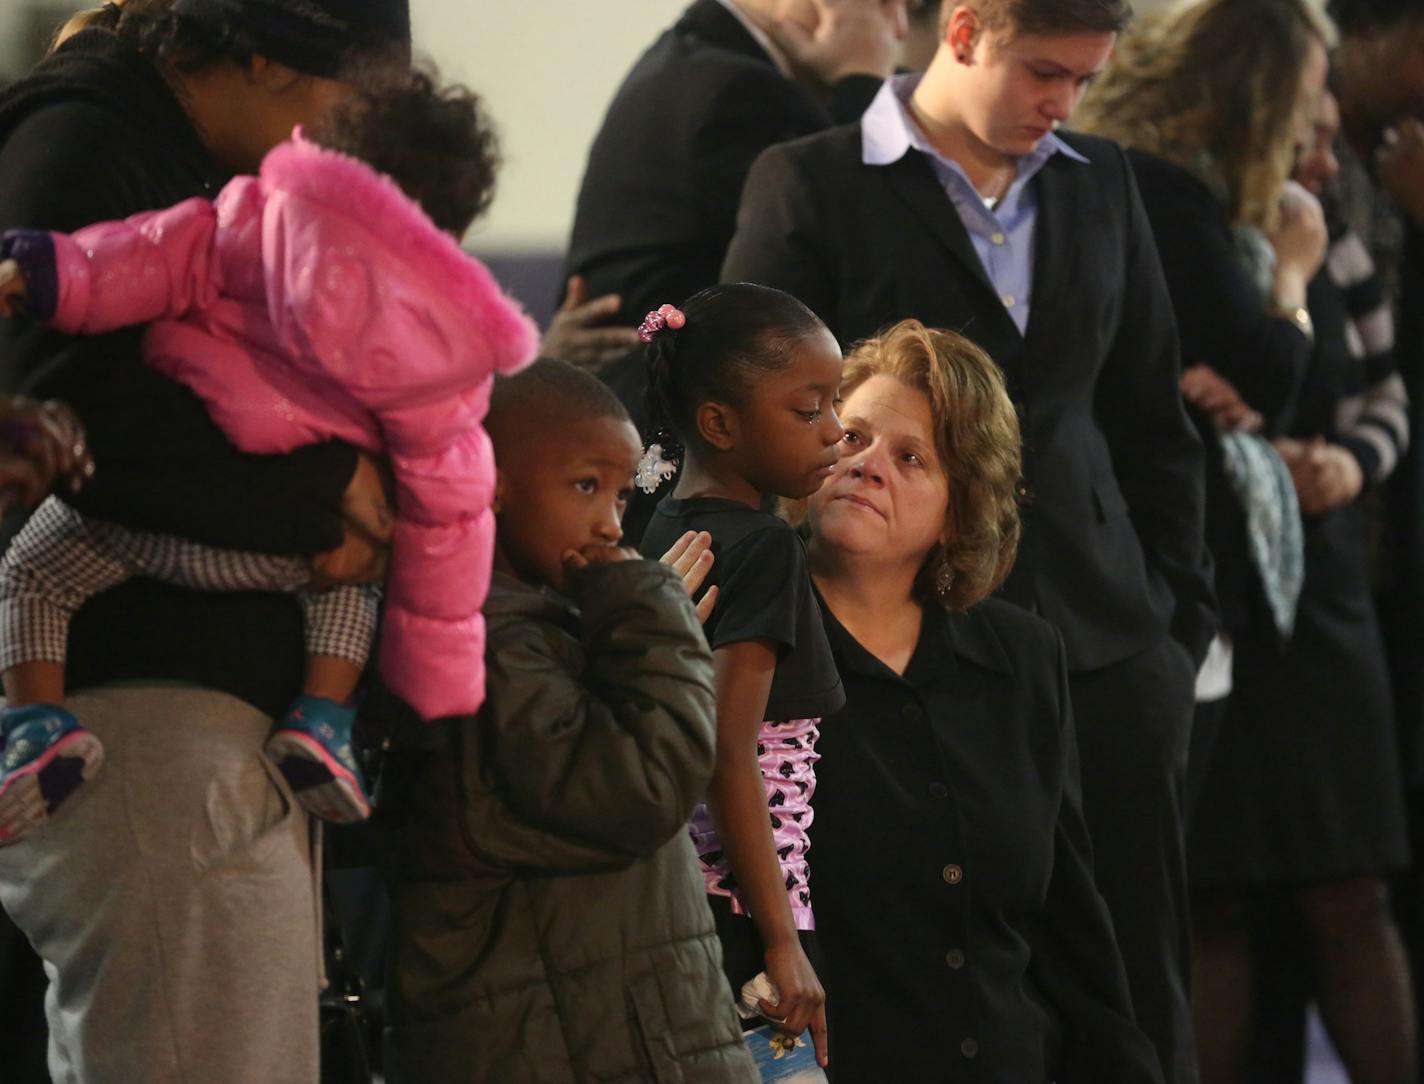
755,991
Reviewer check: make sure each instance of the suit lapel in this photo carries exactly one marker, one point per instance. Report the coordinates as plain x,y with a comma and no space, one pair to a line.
913,180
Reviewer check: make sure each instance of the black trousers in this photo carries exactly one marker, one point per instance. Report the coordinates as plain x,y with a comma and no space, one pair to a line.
1134,722
1206,726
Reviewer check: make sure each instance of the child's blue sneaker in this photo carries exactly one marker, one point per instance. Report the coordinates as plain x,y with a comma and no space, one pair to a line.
45,757
312,748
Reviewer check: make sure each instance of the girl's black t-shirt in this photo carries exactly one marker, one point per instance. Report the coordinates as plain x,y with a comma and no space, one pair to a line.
765,594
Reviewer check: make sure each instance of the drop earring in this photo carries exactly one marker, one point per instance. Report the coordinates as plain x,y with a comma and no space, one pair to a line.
944,577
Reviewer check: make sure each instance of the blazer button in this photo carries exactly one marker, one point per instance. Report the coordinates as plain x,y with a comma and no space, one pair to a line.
912,713
952,874
954,959
1021,491
969,1048
939,790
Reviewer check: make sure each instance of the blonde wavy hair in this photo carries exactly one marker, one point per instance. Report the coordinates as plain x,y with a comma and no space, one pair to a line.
977,440
1212,85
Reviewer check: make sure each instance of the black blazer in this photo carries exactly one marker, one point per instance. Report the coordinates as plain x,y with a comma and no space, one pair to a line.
951,870
1112,549
658,202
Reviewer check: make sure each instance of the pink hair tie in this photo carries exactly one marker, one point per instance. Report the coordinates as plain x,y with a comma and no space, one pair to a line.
661,317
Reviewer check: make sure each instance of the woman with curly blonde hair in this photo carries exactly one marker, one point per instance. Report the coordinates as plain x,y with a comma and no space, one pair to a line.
960,922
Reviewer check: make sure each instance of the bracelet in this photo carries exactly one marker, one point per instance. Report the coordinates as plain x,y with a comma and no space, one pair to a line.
1298,315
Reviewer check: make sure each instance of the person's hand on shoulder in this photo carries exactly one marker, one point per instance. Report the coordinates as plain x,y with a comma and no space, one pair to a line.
579,334
850,37
1400,162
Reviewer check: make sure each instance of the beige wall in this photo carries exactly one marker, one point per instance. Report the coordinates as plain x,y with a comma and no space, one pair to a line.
546,67
547,70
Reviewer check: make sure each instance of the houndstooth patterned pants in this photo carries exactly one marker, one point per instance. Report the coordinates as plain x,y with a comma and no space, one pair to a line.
61,559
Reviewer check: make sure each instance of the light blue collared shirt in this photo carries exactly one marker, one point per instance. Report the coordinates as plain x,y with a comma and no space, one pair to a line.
1003,237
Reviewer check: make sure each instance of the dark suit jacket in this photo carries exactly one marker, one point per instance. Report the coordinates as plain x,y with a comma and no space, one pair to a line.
658,202
1112,549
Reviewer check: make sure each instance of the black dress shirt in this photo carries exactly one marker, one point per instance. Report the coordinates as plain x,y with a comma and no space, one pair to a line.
951,872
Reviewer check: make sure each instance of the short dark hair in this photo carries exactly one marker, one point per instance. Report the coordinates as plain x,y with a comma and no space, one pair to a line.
545,395
436,142
1362,16
1015,18
733,333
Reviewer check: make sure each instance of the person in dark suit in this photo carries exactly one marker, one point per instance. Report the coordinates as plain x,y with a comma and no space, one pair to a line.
954,202
951,870
658,203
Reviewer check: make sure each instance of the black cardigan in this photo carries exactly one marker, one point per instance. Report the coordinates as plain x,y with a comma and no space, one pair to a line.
95,133
951,869
1223,323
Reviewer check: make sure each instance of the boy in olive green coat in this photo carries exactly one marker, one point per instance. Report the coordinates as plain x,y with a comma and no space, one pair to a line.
550,920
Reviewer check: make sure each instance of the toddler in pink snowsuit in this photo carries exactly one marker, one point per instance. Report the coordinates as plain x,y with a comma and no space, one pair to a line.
314,301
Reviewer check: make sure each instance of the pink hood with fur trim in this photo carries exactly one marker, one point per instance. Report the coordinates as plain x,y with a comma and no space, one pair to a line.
317,302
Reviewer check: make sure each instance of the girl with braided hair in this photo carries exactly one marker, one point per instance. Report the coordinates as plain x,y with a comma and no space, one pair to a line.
742,388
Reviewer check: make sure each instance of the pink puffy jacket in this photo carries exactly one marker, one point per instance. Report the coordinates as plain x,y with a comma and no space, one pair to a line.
316,301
